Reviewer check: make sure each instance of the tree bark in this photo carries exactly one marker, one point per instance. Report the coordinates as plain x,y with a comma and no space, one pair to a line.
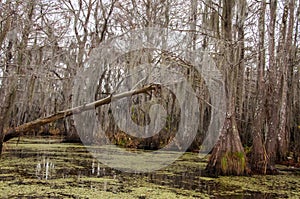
272,95
1,137
6,102
283,135
258,160
228,157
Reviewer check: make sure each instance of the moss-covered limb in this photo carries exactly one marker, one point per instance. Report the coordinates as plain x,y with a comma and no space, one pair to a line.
19,130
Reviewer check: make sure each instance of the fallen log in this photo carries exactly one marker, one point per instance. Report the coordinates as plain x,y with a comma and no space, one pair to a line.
19,130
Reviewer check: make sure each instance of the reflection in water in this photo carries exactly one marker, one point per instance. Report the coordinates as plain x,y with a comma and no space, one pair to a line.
44,169
96,170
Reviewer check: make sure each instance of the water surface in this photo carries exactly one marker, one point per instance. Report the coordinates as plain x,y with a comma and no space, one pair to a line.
47,168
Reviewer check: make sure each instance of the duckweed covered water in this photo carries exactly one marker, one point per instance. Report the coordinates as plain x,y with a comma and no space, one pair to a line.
47,168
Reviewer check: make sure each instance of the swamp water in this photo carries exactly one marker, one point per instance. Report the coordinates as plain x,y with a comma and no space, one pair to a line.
47,168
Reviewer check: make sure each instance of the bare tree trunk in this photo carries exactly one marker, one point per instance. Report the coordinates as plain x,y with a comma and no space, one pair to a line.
1,135
240,58
283,135
272,95
6,103
294,93
228,156
3,114
3,33
258,159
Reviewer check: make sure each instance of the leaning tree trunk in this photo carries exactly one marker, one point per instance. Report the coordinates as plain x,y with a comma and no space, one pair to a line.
19,130
228,156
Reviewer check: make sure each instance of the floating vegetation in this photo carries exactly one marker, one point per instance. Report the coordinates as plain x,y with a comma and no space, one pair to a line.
42,168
